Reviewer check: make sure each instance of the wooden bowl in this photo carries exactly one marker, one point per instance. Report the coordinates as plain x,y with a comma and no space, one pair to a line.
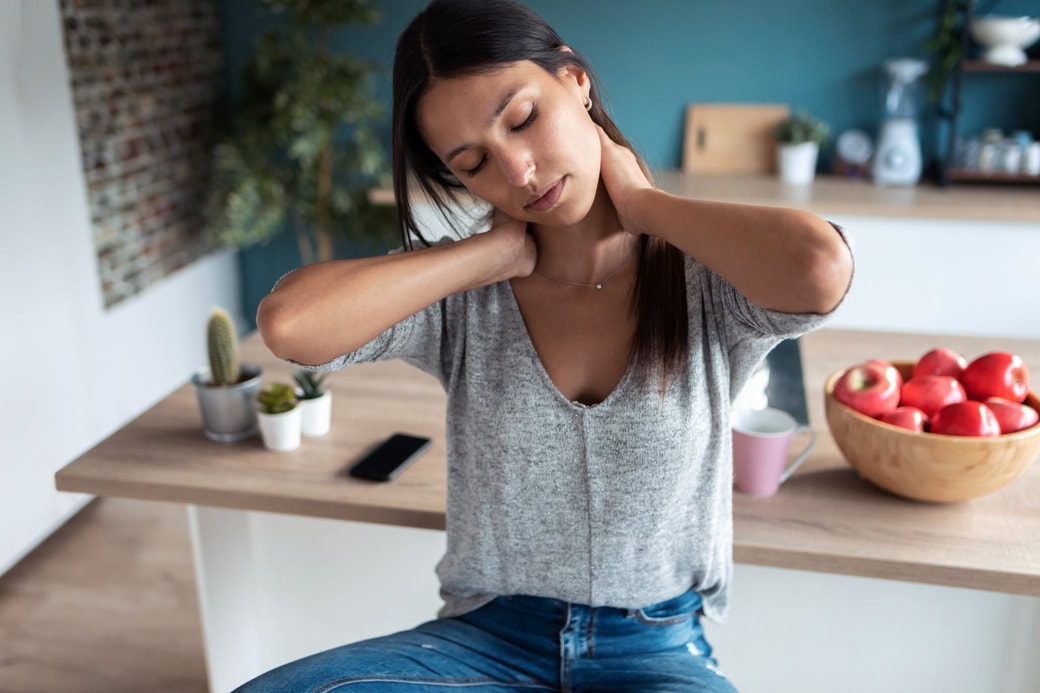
927,466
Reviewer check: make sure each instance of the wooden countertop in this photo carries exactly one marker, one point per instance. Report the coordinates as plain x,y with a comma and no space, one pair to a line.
825,518
831,195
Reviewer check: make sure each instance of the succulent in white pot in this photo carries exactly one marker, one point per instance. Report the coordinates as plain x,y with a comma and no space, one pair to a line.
799,138
315,402
279,417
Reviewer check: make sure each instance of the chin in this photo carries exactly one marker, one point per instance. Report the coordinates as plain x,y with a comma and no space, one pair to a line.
568,212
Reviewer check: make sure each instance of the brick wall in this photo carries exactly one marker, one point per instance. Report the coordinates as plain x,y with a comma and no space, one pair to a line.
146,80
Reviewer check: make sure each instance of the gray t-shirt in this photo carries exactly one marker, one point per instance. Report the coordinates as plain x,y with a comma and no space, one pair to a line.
624,503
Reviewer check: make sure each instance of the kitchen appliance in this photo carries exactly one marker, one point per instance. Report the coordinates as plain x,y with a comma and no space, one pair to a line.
897,160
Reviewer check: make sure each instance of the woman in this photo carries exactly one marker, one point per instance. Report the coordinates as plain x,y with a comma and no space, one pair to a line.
590,343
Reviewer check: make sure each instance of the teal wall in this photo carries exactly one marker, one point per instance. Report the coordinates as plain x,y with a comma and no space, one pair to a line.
656,56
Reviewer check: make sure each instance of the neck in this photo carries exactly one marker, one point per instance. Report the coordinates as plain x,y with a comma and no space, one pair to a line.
584,252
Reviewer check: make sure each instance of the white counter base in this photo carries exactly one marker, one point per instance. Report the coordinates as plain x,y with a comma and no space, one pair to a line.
273,588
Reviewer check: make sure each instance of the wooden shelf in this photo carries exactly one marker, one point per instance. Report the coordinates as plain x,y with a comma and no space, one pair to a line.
992,177
983,66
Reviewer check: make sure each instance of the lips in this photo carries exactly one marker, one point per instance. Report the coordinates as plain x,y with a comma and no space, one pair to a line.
545,199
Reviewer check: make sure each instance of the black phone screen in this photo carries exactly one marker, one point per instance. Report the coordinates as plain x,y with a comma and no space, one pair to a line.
390,458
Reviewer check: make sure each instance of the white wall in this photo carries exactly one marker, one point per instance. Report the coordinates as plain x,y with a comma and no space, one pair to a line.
74,372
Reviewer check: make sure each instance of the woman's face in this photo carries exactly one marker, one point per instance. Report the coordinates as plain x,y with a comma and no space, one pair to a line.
519,138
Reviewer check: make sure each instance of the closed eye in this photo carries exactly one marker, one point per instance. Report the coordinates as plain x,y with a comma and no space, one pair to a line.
532,116
530,119
476,169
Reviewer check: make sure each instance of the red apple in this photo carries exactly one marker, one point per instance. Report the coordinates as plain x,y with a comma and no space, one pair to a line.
996,374
940,361
911,418
871,388
891,372
968,418
930,393
1012,416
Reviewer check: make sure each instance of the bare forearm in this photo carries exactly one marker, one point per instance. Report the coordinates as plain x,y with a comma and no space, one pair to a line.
324,310
783,259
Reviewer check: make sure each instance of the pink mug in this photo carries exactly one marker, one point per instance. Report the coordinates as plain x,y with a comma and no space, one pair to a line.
761,441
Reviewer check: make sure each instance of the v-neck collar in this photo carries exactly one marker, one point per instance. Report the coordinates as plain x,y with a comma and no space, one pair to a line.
518,316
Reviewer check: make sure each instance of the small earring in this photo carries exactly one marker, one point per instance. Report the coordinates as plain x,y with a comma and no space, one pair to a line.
588,104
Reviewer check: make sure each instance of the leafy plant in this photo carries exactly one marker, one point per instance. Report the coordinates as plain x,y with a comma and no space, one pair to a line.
222,348
310,382
946,45
300,148
276,398
801,127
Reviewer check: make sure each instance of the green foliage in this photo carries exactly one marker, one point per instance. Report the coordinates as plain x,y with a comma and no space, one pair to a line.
310,383
300,148
945,46
276,398
222,347
801,127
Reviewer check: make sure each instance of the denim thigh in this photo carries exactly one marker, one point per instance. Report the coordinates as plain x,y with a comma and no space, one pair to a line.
522,643
444,653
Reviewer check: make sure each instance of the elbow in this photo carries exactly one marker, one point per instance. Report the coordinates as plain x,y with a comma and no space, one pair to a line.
274,320
828,274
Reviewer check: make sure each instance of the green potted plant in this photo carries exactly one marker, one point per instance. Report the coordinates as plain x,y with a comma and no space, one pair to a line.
799,138
315,402
299,149
279,417
226,390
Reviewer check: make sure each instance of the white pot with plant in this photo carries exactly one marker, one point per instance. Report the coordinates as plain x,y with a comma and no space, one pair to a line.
279,417
226,391
799,138
315,402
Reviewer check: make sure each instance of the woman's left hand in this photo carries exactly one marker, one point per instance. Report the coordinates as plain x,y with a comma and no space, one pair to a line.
624,180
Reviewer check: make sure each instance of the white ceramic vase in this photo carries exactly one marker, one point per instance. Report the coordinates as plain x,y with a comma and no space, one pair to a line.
797,162
316,415
281,432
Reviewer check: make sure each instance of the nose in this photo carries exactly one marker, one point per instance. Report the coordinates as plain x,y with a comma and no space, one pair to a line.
517,167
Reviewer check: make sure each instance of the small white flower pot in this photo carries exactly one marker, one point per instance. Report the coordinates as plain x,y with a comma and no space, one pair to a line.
281,432
797,162
316,414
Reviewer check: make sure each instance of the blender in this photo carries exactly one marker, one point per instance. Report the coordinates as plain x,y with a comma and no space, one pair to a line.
897,158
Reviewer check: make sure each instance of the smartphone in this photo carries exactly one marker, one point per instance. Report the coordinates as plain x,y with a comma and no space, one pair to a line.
390,457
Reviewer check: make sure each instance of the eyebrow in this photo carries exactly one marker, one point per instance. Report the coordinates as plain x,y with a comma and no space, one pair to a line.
498,111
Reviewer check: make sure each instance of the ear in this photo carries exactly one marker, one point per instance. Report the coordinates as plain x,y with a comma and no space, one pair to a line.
573,75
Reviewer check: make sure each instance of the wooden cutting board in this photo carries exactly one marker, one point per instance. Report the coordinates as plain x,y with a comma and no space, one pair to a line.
731,138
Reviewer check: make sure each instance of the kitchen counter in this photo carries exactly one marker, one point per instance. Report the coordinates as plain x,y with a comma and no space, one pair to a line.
824,519
832,195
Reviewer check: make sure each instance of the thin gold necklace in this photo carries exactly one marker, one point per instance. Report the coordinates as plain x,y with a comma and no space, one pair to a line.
595,285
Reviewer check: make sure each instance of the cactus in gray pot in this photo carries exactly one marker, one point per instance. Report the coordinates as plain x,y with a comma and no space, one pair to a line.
222,345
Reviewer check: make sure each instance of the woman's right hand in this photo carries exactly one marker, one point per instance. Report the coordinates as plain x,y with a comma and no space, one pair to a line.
519,250
327,309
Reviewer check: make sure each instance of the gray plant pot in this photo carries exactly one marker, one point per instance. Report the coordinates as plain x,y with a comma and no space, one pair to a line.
228,412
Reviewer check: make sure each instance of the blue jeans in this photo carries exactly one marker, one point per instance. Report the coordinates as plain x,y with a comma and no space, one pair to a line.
522,644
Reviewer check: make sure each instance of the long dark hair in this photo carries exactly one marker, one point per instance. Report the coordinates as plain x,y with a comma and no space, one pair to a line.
455,38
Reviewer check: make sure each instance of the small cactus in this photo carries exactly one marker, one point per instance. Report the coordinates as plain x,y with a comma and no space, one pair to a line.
222,345
310,383
276,398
